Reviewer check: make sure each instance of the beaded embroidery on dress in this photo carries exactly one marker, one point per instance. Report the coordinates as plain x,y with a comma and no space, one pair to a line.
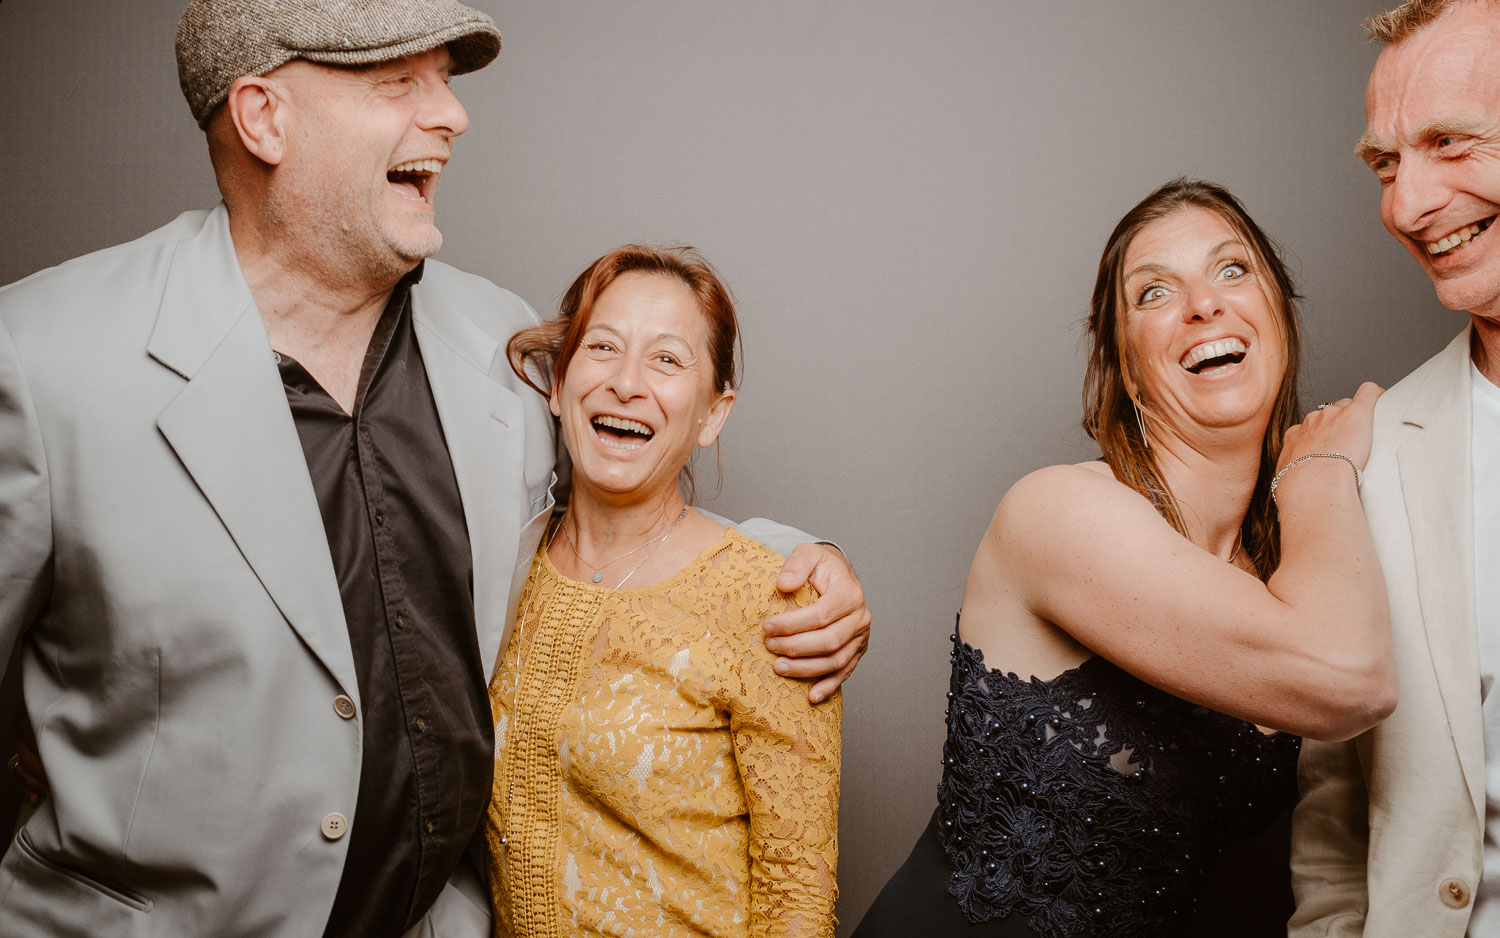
1093,803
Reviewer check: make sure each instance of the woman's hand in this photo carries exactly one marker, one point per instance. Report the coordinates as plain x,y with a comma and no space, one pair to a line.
1340,427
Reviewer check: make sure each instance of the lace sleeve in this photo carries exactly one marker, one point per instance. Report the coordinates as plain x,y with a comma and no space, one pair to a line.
788,754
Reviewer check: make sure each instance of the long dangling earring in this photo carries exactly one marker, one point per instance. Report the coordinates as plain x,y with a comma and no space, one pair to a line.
1141,422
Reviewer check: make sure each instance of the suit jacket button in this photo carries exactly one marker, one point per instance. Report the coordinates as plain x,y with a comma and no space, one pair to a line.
343,706
1454,892
335,826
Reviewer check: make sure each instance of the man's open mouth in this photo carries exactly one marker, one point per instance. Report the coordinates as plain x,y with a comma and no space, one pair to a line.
414,179
1458,240
1209,356
621,432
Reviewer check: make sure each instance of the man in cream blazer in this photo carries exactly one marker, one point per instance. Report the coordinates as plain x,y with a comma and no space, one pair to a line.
179,607
1389,840
1388,837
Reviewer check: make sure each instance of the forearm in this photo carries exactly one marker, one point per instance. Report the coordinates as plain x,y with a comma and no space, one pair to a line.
790,898
1331,583
788,753
794,837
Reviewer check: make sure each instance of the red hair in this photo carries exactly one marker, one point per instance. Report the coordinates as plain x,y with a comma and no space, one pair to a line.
540,354
548,347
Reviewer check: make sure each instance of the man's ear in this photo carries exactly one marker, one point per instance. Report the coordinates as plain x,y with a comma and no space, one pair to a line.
259,109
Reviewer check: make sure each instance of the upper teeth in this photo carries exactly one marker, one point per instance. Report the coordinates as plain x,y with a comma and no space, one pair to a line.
622,423
1215,349
418,166
1453,240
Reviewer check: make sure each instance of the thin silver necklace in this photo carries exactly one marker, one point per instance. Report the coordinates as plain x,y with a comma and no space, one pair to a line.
598,568
521,658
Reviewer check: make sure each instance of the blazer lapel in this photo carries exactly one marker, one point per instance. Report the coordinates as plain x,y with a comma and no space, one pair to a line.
234,433
1435,469
483,424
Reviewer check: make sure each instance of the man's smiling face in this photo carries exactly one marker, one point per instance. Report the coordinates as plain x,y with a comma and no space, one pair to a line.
1433,139
367,147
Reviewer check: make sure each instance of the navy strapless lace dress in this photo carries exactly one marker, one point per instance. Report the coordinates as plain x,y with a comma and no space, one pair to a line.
1091,804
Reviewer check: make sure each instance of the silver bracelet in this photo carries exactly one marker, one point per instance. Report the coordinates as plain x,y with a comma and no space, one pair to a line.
1284,469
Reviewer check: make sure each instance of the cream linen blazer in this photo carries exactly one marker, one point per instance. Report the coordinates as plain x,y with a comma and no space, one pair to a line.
1387,840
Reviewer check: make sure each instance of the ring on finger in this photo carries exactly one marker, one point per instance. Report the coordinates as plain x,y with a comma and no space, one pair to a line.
14,765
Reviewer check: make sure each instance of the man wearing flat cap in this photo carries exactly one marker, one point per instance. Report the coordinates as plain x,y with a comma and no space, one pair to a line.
268,489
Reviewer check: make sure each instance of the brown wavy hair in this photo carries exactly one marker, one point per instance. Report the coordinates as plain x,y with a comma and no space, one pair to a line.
1110,404
540,354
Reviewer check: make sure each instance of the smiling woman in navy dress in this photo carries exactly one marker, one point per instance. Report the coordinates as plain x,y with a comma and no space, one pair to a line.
1163,614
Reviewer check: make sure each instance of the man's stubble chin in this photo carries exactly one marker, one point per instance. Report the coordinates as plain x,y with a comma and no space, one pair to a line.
397,247
419,250
320,234
1477,298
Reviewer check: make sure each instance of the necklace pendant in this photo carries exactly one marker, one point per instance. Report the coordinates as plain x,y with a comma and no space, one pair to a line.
598,575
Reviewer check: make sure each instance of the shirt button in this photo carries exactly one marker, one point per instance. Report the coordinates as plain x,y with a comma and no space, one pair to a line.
334,826
421,725
1454,893
379,519
429,827
400,621
343,706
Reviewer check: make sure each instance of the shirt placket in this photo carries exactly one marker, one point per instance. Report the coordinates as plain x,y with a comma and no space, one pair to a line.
402,630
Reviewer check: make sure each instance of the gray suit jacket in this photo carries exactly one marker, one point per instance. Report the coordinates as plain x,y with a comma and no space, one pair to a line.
165,578
1387,841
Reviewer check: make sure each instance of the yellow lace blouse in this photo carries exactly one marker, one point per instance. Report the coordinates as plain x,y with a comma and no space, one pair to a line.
655,777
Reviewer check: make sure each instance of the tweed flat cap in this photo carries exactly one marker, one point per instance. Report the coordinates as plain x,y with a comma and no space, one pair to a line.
219,41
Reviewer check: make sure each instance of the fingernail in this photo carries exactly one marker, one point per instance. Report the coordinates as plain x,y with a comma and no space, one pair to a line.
774,645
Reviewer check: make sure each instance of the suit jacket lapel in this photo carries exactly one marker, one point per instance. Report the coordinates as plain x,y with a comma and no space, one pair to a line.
1435,468
484,428
234,433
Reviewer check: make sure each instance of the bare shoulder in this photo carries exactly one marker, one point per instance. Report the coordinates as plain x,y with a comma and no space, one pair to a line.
1086,492
1093,476
1035,533
1065,518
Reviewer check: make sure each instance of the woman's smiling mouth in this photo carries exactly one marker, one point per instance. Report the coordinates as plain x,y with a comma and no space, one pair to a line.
621,432
1210,356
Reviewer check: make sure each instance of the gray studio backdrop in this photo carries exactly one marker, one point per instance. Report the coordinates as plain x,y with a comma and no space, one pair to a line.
908,200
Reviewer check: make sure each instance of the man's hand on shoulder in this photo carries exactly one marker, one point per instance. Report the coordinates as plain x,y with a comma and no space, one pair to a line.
826,639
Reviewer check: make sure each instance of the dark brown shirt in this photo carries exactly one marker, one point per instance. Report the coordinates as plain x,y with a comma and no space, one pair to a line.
400,547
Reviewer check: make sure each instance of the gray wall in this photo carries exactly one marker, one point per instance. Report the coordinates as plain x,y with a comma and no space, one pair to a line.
908,200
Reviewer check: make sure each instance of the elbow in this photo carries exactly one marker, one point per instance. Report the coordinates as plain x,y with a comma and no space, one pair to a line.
1357,695
1351,719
